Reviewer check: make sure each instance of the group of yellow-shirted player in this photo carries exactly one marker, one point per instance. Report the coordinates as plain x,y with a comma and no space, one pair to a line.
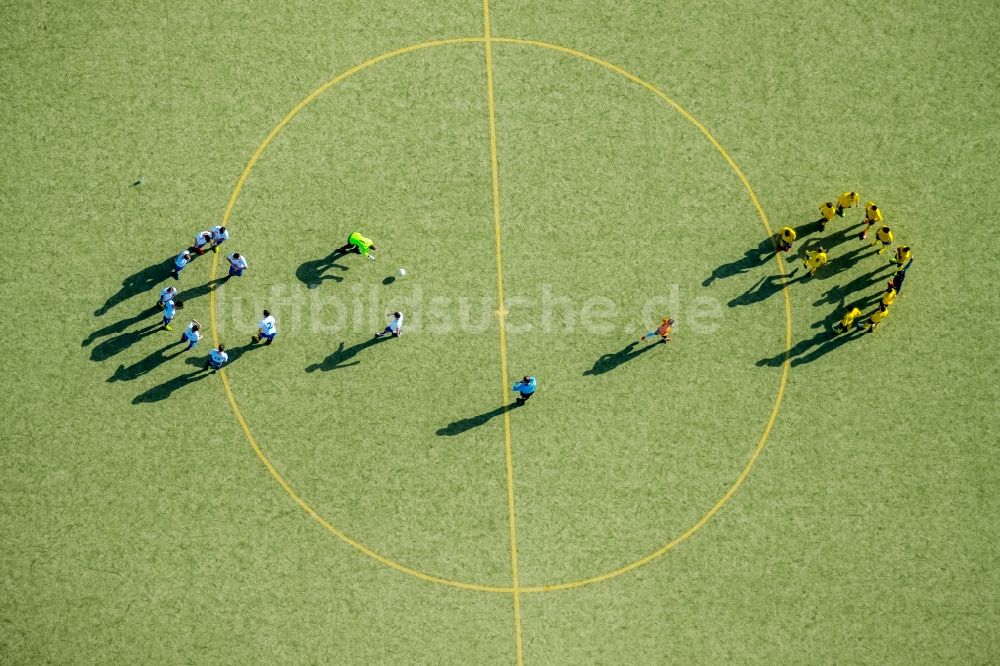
817,257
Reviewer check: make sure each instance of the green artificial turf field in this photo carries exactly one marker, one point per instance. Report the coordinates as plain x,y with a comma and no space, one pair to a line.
757,490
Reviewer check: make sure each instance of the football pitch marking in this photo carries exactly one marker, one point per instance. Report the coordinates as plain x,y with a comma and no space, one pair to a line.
516,589
501,314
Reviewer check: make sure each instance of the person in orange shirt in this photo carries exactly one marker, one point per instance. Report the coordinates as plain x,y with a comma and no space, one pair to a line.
663,330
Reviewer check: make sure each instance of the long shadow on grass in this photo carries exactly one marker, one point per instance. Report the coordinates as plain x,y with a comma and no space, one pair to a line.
137,283
751,259
112,346
335,361
312,273
119,326
166,389
235,353
839,237
608,362
807,351
860,283
843,262
126,373
465,425
766,287
200,290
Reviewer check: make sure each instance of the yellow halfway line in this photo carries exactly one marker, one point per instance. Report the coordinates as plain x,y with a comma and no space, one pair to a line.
504,377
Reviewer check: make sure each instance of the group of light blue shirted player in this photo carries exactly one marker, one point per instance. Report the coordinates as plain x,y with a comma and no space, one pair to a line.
267,327
169,303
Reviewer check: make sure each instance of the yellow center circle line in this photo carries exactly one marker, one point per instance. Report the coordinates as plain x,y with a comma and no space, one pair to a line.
342,536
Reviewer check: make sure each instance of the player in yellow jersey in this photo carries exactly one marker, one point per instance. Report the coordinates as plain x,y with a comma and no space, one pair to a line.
873,216
903,256
827,211
889,297
844,325
872,322
786,237
847,200
814,259
883,236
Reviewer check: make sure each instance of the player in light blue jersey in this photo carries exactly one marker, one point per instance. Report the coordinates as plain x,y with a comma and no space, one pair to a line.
237,264
217,358
169,310
219,236
526,388
182,260
165,295
267,329
192,334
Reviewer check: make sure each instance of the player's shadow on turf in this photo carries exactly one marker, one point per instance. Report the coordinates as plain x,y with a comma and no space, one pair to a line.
860,283
608,362
312,273
335,361
126,373
807,351
766,287
843,262
137,283
235,353
166,389
200,290
119,326
465,425
752,258
112,346
840,237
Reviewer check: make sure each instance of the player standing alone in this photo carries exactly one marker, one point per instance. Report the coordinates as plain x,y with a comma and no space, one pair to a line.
663,330
395,327
525,388
358,243
267,329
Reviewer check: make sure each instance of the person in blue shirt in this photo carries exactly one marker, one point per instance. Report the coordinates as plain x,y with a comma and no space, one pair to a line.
182,260
237,264
169,310
526,388
219,236
165,295
192,334
266,329
217,358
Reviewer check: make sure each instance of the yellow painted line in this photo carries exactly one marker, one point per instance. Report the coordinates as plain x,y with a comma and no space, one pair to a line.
762,441
501,313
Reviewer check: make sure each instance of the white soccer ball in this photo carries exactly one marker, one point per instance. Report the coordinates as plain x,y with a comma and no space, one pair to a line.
402,272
